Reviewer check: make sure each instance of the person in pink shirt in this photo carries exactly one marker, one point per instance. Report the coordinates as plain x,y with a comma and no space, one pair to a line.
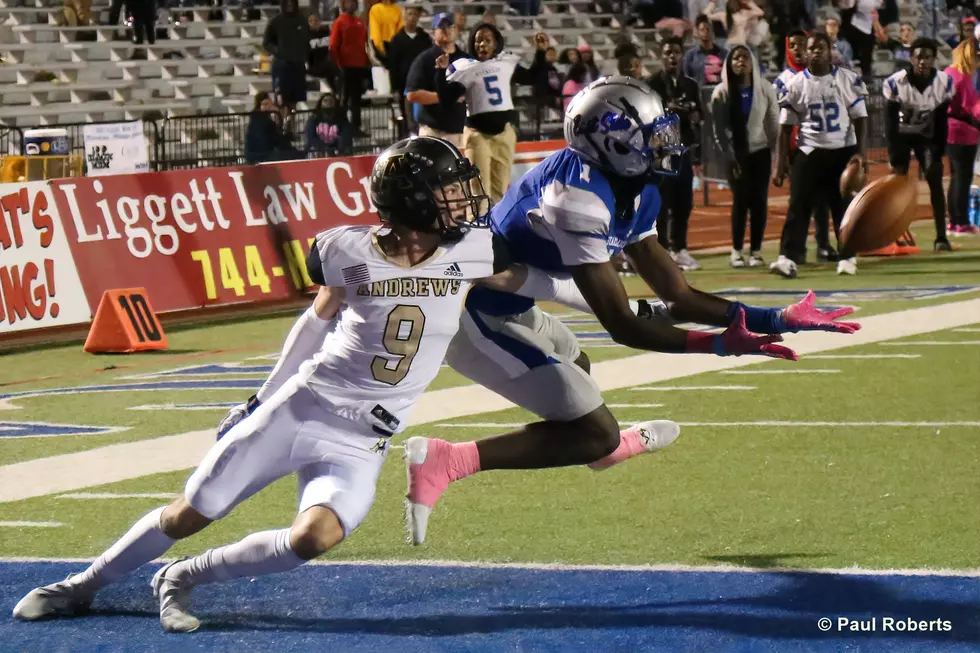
964,118
575,82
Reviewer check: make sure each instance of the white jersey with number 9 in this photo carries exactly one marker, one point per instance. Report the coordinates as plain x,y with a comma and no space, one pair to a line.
487,82
396,323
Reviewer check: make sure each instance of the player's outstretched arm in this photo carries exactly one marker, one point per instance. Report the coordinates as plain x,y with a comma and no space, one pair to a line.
603,290
304,340
688,304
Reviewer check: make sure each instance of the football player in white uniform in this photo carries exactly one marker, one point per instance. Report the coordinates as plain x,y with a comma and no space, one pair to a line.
828,104
485,84
918,101
795,64
390,298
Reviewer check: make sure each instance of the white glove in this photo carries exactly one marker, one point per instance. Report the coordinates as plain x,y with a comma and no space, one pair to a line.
236,414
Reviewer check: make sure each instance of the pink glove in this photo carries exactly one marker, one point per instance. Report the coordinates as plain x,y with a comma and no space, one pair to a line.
737,340
804,316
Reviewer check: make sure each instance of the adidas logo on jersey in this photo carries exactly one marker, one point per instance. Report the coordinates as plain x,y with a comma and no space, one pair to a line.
454,271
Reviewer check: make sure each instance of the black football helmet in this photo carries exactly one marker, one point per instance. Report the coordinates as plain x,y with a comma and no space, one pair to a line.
407,184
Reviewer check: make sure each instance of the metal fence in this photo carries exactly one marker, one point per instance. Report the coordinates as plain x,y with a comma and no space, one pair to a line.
212,140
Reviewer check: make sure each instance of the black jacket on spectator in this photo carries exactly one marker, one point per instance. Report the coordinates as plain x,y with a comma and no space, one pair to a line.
401,51
320,121
287,36
318,62
422,77
264,141
682,96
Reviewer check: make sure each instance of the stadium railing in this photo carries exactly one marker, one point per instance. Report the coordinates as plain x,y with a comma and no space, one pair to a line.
210,140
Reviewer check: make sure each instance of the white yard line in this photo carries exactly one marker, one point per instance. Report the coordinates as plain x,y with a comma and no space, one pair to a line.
212,406
967,330
781,372
118,462
888,424
562,566
634,405
859,356
31,524
931,343
93,496
691,388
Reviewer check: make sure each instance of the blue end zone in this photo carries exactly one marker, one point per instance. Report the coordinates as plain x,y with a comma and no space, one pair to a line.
348,608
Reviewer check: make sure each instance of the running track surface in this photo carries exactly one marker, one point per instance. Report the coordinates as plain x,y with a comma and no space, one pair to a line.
407,608
710,226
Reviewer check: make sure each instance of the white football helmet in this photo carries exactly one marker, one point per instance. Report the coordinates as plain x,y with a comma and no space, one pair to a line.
620,125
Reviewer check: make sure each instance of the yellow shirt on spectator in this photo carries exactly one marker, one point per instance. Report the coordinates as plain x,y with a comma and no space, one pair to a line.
384,21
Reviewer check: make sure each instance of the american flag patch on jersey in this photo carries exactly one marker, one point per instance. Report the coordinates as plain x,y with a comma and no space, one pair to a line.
356,274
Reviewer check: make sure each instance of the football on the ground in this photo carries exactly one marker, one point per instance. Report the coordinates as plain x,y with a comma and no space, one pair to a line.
880,213
853,179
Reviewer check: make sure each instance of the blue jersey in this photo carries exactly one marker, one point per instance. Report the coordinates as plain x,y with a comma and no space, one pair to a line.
562,214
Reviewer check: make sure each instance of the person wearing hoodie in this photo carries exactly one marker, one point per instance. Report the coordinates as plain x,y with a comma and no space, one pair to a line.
264,139
915,118
795,63
484,83
829,105
681,96
962,136
746,115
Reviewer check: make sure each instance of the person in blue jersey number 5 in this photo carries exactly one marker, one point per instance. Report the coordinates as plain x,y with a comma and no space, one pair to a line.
567,218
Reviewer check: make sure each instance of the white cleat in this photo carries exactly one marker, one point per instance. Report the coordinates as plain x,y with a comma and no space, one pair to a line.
756,260
427,469
658,434
735,259
62,599
847,266
685,261
175,603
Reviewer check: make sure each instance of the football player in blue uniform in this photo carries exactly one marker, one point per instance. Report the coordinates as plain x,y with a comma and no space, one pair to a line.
568,217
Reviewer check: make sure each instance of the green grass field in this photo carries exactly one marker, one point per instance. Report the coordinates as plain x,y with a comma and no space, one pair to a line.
850,491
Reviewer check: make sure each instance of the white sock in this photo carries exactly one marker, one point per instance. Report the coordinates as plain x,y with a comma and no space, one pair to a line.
268,552
141,543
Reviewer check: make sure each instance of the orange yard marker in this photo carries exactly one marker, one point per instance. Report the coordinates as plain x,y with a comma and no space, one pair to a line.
124,323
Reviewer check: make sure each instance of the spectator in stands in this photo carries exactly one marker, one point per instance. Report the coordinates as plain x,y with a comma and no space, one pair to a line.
485,84
433,117
264,138
630,65
746,123
962,137
841,53
705,61
902,47
287,38
588,60
860,23
348,49
144,17
916,121
569,57
489,18
966,32
745,22
547,87
318,62
402,50
459,20
788,16
384,21
328,132
682,96
574,82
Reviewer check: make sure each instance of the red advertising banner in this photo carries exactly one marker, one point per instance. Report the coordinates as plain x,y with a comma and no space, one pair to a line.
212,235
39,286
